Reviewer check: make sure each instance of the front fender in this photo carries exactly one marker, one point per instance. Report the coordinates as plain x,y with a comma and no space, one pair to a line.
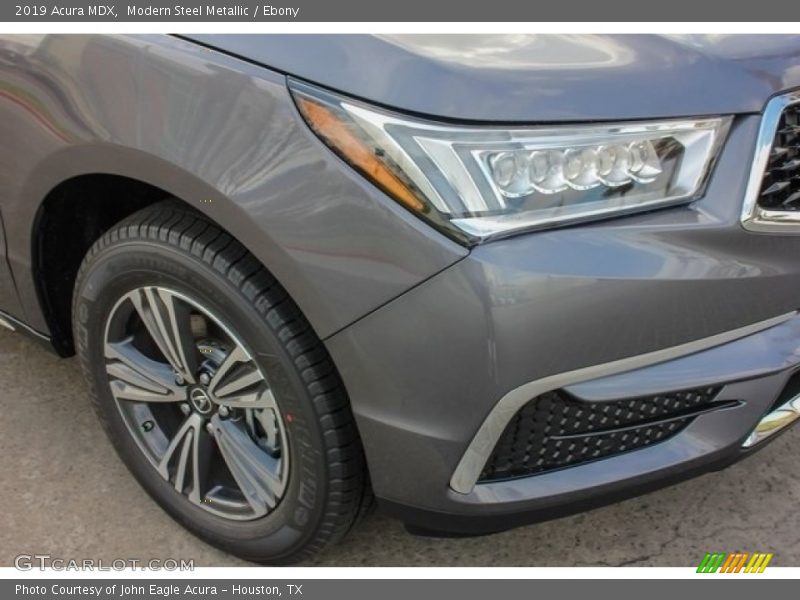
222,135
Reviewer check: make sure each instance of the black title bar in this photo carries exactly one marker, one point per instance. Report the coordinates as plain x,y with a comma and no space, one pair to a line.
780,11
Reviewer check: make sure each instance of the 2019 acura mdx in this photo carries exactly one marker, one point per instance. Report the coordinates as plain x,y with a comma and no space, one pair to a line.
483,279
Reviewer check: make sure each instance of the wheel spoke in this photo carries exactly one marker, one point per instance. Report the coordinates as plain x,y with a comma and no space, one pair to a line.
262,398
167,320
255,471
136,377
238,383
188,454
228,456
202,448
184,462
246,378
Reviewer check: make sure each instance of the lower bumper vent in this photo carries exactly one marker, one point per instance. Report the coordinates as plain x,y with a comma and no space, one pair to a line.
556,430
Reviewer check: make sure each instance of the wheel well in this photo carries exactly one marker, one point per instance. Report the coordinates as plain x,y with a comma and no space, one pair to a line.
71,218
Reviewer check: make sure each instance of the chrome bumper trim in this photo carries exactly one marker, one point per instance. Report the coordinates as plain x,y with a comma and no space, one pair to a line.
774,421
480,448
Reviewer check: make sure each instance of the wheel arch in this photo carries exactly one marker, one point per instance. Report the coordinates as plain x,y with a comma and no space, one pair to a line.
77,194
223,135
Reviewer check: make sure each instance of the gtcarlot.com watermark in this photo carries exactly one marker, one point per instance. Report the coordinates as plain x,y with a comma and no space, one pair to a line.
29,562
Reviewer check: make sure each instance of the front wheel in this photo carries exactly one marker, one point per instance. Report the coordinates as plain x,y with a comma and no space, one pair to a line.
214,389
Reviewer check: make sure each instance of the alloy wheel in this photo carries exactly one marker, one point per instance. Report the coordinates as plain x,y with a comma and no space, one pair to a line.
196,403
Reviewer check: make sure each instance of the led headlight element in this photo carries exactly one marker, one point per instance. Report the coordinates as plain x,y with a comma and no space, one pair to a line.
482,182
525,172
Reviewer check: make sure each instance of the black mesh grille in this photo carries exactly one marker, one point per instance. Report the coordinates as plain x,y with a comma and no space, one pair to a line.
781,187
555,430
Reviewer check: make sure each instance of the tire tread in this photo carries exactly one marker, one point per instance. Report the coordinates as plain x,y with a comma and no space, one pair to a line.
349,496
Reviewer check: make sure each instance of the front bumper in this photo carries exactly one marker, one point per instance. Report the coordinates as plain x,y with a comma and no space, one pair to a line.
427,371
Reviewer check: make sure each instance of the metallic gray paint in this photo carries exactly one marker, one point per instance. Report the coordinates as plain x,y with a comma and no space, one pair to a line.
219,133
8,293
428,336
482,444
523,309
774,354
536,78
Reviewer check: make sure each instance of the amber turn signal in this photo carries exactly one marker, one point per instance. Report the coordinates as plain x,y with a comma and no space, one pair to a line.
339,136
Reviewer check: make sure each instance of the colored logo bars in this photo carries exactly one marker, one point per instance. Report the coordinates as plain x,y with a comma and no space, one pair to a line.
736,562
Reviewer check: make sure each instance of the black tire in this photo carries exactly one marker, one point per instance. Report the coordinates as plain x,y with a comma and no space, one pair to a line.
327,488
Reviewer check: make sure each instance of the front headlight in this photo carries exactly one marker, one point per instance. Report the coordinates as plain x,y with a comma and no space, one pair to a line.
477,183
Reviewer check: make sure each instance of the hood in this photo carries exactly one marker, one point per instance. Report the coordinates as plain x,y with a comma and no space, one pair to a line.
536,78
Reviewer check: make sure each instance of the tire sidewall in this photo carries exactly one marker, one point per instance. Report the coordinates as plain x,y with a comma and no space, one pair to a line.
125,266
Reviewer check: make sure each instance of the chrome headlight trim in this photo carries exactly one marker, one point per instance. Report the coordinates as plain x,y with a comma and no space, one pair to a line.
446,173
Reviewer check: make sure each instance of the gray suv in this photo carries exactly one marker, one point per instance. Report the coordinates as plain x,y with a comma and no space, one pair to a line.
485,280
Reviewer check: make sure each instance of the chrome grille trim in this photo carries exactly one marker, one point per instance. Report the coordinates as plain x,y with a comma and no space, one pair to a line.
754,217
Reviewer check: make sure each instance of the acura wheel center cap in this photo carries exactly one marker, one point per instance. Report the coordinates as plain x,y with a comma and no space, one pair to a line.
201,401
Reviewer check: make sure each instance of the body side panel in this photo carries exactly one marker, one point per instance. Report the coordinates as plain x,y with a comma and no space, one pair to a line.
9,301
218,133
